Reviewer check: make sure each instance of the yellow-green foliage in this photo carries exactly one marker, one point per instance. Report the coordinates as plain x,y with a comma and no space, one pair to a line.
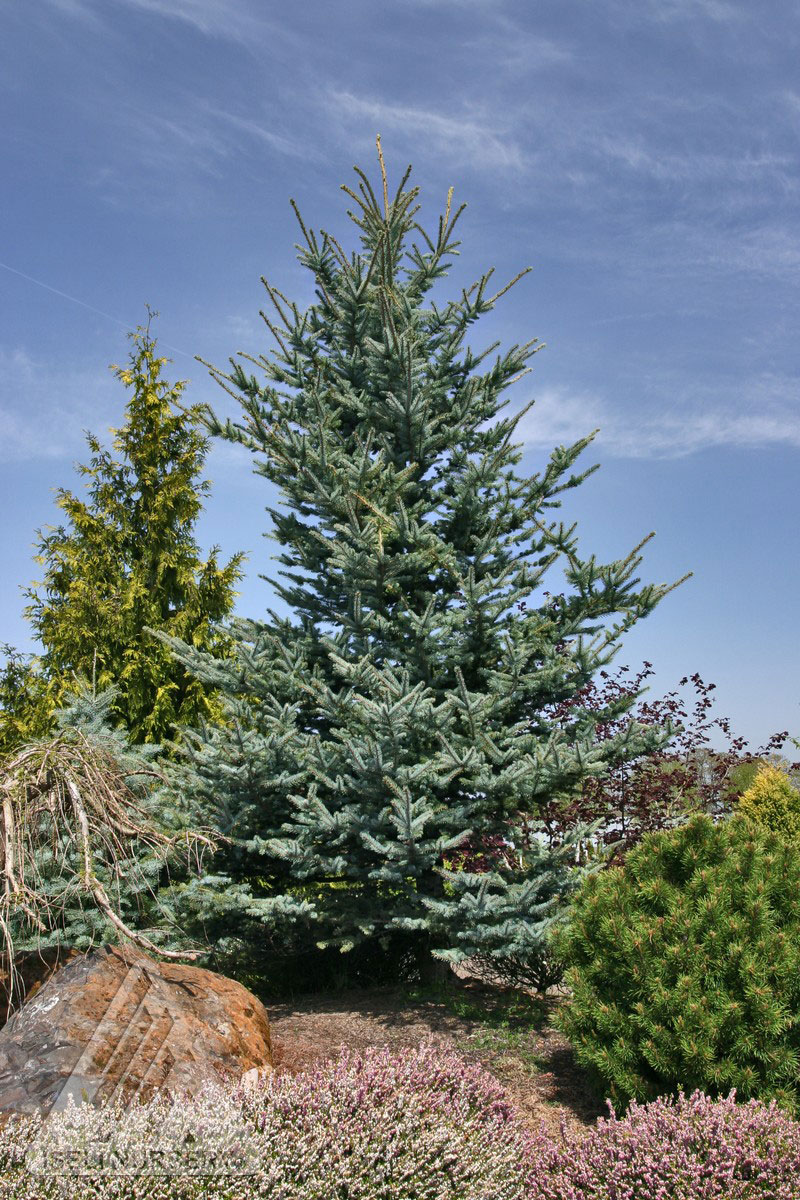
125,562
772,802
27,700
684,966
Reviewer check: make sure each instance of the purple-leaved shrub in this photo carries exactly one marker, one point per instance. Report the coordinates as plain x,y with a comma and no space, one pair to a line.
684,1148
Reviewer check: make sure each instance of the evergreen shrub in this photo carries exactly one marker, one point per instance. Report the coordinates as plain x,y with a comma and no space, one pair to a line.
685,966
771,801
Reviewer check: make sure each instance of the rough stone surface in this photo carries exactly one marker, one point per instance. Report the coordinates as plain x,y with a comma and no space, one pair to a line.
115,1024
32,969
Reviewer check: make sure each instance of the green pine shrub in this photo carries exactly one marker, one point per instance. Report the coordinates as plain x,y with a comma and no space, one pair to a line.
685,966
772,802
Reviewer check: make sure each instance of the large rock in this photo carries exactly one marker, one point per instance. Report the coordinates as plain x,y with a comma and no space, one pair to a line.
32,968
115,1024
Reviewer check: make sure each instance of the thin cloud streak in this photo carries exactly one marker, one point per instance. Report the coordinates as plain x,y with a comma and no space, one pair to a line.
770,418
284,144
230,20
83,304
666,12
44,409
489,146
695,167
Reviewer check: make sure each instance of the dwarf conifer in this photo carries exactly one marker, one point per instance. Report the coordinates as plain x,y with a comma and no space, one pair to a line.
684,966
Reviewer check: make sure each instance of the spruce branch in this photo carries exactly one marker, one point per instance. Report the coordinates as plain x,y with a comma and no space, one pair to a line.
69,801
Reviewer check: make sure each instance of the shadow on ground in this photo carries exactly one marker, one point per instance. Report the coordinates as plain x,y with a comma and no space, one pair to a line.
510,1036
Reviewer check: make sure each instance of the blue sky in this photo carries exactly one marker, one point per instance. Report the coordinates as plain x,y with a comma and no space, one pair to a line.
641,155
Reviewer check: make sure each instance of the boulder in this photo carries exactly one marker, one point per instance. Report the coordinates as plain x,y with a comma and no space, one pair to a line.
32,968
115,1025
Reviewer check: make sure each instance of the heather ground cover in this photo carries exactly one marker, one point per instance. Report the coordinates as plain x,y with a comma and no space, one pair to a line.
689,1148
420,1124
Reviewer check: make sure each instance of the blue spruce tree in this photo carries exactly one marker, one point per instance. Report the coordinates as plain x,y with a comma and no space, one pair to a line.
409,703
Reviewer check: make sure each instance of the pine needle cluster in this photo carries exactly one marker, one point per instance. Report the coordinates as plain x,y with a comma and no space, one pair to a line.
685,966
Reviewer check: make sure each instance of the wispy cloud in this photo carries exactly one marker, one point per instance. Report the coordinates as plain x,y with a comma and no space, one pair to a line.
81,9
713,10
692,250
477,135
261,131
768,414
664,11
694,167
233,20
189,148
45,409
767,250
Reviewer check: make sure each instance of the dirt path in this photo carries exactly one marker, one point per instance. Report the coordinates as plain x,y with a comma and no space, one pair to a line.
535,1064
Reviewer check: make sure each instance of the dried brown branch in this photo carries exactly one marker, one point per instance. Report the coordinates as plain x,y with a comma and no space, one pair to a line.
70,801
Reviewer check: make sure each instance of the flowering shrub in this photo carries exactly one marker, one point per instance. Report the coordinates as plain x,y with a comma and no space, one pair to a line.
163,1150
691,1148
421,1126
417,1126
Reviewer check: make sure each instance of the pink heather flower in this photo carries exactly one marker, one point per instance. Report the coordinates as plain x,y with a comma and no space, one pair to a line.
421,1125
689,1148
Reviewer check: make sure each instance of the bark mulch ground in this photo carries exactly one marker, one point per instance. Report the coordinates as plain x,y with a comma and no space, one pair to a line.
512,1038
